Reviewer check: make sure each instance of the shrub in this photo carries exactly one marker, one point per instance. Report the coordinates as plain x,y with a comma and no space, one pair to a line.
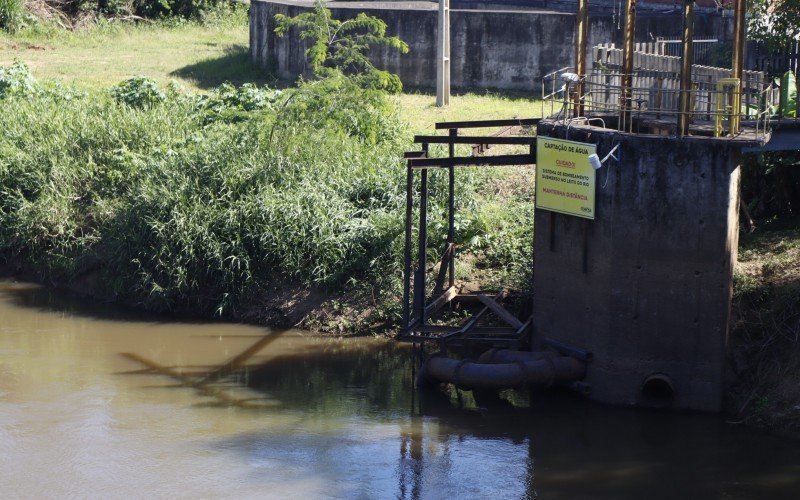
341,46
12,14
17,80
206,203
138,92
181,212
230,103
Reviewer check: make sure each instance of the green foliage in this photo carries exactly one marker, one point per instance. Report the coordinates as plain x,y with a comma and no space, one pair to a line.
771,184
16,80
12,15
329,103
341,46
181,8
230,103
138,92
774,22
178,211
788,95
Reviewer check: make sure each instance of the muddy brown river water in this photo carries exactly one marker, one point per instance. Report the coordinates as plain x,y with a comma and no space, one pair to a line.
98,402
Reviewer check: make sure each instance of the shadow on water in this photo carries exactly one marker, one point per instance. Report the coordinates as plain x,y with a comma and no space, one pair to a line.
338,378
581,449
57,300
234,66
212,381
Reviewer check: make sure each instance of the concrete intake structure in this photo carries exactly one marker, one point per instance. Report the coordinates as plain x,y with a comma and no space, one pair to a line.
501,48
646,286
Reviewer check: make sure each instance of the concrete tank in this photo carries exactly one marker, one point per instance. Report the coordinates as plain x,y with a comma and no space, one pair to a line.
646,286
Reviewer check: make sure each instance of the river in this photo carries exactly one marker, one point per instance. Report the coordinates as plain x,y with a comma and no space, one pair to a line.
101,402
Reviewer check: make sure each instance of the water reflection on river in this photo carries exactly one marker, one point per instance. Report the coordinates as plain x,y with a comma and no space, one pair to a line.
95,402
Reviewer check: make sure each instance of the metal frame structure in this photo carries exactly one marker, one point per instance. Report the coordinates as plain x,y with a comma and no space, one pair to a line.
579,87
418,305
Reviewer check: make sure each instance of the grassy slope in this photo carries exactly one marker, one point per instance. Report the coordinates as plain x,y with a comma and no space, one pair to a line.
766,333
201,57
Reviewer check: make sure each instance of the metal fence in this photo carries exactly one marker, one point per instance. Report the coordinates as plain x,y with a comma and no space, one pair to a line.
702,50
655,95
773,63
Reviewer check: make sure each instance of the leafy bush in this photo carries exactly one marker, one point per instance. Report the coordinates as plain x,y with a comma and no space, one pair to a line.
182,8
17,80
138,92
230,103
12,14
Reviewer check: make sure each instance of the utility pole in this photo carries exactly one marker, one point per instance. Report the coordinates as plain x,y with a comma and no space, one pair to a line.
443,55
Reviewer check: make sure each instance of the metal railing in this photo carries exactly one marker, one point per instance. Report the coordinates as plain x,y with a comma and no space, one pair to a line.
702,50
716,105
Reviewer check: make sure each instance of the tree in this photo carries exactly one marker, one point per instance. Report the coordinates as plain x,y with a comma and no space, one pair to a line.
341,46
776,23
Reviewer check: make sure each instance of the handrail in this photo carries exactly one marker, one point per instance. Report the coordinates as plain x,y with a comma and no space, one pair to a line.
487,123
474,139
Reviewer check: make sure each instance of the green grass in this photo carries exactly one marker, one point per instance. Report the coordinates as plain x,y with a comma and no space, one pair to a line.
200,56
197,55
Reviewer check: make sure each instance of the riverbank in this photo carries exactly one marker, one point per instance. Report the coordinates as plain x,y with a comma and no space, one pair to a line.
140,208
765,340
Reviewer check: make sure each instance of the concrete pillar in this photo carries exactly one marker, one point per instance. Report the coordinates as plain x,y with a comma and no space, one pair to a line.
443,55
653,298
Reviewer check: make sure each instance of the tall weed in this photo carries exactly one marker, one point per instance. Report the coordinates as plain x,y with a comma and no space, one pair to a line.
205,203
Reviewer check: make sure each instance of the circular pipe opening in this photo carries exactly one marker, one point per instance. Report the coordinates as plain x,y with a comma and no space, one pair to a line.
658,389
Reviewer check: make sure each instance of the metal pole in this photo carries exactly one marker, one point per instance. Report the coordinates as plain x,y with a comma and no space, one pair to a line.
419,281
451,208
739,38
627,65
443,55
581,31
407,250
685,96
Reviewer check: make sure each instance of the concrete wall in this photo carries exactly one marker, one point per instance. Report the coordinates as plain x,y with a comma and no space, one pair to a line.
489,49
655,297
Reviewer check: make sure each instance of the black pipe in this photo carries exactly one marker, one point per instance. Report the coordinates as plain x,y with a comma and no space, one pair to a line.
542,372
510,356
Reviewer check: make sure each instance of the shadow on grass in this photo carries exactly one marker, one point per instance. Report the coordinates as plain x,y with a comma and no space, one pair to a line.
235,67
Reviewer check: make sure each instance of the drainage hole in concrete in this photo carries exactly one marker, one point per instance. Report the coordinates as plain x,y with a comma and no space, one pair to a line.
657,389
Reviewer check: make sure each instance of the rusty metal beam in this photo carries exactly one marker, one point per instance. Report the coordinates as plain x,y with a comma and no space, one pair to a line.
488,123
500,311
685,96
464,161
737,65
627,65
475,139
581,35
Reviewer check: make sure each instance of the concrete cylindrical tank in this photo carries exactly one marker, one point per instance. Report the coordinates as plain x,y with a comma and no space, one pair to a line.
646,286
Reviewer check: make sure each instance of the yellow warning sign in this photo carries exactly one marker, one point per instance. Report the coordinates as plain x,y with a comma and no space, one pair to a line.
565,180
